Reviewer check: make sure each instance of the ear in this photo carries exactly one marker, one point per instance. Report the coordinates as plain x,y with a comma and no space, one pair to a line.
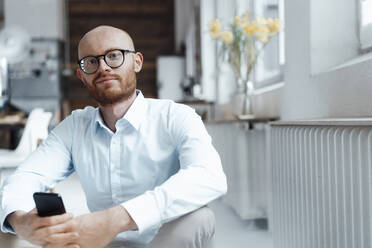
79,75
138,62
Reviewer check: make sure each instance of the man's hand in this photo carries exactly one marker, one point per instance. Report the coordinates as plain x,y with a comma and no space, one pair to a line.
97,229
94,230
47,232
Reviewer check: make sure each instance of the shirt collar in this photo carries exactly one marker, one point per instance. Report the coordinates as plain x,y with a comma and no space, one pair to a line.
134,115
136,112
98,120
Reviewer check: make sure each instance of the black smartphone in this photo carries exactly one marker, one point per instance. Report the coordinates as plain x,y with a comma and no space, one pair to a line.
48,204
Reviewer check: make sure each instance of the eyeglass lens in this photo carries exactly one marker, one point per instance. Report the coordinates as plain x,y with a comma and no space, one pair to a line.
113,59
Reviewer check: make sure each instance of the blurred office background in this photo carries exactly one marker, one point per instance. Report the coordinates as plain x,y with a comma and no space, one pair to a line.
298,166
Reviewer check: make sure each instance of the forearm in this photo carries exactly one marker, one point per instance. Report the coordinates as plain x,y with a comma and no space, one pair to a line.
172,199
33,175
119,219
99,228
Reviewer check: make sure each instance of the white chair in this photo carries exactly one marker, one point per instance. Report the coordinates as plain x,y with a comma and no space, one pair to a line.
36,129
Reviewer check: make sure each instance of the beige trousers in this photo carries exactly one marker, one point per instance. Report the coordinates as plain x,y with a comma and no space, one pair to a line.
193,230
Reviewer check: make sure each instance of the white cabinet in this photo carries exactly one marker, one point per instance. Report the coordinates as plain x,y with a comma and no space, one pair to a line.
243,152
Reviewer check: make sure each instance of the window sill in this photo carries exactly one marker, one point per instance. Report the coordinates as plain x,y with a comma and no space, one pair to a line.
352,62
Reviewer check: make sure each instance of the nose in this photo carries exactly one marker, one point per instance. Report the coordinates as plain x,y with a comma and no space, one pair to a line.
102,66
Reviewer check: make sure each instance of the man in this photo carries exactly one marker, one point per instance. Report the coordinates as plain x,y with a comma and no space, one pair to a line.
144,164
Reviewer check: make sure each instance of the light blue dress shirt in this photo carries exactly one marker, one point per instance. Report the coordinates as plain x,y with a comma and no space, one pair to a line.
159,164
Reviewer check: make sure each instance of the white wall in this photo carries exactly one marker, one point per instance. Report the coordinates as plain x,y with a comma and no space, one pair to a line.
41,18
333,28
324,77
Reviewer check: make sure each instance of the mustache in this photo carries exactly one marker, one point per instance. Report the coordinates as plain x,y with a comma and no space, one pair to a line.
104,75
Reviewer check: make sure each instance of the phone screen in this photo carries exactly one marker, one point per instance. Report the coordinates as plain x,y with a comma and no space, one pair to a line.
48,204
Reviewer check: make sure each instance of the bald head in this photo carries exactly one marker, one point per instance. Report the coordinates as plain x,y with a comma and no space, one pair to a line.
103,38
111,82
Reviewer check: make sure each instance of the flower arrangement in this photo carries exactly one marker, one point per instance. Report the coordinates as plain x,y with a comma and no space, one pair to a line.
243,41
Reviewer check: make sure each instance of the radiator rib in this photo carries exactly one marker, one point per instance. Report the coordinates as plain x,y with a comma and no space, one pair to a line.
322,186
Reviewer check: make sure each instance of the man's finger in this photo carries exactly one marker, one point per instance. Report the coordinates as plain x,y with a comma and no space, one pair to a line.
72,246
49,230
62,238
33,211
53,220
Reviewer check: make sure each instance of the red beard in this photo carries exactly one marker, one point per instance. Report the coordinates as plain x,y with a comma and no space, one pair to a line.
110,94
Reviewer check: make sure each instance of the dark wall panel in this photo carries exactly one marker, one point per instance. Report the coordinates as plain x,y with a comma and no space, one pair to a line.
149,22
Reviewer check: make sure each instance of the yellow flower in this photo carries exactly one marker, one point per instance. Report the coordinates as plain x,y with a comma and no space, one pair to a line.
241,20
250,28
273,26
261,21
215,28
262,34
263,30
244,37
237,20
226,36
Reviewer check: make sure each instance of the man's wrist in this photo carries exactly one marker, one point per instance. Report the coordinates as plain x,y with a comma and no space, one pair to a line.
12,218
119,216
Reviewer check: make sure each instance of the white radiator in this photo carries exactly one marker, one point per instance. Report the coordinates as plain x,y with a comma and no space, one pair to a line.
243,155
322,185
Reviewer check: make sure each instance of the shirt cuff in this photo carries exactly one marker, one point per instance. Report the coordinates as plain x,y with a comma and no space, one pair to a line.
144,211
5,227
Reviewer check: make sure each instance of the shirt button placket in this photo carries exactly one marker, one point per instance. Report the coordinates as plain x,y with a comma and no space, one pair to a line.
114,166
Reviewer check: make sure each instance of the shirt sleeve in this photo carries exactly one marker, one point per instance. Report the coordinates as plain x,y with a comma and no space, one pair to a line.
42,170
199,181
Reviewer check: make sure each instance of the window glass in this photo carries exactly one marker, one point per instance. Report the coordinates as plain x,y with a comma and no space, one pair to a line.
269,67
365,24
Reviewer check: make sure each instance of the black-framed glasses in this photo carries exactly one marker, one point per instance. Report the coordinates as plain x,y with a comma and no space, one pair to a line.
113,58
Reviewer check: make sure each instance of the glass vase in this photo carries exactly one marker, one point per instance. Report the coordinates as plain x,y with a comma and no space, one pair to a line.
241,99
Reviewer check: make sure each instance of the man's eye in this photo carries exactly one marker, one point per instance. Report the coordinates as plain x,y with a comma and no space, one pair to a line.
92,61
114,55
